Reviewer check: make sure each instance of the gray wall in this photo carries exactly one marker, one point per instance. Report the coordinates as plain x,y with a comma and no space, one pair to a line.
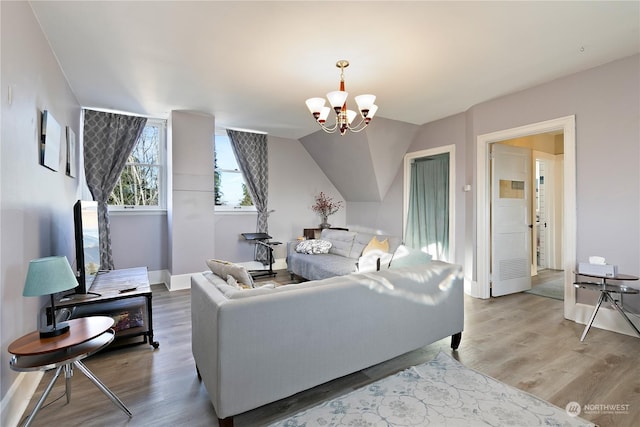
606,103
36,204
294,180
142,239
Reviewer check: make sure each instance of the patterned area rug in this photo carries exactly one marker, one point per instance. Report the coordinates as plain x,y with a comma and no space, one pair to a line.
553,290
441,392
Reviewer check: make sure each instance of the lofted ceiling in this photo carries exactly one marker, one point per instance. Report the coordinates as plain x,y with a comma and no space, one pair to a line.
253,64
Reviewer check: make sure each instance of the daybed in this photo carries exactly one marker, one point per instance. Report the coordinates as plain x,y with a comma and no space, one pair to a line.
344,254
256,346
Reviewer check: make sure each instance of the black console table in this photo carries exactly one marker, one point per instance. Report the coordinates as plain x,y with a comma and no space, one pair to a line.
121,294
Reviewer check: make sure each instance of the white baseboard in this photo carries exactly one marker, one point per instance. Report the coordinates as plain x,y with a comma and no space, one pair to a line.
160,276
15,402
607,318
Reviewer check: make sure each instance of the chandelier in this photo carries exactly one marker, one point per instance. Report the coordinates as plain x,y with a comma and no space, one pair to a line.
338,101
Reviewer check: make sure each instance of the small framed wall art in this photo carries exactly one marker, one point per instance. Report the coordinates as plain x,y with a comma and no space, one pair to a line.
72,153
50,144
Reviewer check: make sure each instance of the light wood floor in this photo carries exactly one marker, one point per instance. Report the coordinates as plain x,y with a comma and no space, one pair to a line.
520,339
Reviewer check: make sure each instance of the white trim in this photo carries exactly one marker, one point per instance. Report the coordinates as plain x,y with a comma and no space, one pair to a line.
567,125
230,210
180,281
408,158
17,399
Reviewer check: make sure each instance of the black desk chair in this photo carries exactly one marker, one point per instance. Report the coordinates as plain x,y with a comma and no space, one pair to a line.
264,240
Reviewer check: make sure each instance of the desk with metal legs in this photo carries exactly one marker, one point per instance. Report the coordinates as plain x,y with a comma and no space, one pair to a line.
262,239
606,290
86,336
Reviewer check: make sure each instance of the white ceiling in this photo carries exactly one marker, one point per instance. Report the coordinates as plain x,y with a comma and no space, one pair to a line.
253,64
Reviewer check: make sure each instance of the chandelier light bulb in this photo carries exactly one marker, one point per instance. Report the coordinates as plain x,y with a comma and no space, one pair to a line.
337,98
338,101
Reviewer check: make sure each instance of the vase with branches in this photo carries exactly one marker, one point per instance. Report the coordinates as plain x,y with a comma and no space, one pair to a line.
325,206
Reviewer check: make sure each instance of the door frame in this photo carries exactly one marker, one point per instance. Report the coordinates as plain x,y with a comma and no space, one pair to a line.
481,287
451,149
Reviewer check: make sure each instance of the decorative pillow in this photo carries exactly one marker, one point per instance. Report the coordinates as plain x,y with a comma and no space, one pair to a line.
223,269
313,246
231,281
405,256
375,244
374,260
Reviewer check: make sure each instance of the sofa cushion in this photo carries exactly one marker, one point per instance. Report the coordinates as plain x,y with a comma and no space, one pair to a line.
223,269
341,241
405,256
320,266
313,246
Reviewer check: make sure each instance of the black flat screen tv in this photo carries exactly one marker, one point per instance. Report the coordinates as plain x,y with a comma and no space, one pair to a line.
85,220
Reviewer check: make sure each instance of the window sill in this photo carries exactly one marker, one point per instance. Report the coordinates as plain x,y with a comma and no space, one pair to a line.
232,211
118,211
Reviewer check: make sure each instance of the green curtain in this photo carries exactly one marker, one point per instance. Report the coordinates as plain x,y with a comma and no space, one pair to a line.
428,215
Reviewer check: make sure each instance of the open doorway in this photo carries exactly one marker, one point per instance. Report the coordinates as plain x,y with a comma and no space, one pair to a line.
546,210
480,288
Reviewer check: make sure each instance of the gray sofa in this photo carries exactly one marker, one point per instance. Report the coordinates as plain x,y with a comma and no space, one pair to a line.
343,257
256,346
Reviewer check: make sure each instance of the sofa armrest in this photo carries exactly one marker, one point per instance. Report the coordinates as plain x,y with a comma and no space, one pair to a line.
291,246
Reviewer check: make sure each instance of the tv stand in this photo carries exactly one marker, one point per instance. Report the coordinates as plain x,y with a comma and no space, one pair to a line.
125,295
80,297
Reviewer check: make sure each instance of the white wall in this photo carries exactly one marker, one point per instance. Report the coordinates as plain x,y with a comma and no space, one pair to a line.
36,204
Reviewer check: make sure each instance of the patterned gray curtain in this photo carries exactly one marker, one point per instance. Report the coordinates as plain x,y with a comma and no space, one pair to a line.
108,140
251,152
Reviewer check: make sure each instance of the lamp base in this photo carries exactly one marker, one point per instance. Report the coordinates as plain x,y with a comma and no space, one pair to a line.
50,331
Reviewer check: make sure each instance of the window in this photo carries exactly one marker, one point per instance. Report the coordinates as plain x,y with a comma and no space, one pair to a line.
141,184
231,193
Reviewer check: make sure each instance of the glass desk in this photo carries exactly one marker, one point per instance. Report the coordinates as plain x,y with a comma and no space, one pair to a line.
606,290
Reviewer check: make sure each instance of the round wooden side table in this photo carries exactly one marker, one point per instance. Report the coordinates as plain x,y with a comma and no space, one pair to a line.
86,336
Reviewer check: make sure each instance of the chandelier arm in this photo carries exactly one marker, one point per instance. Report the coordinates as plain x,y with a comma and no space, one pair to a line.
357,128
329,129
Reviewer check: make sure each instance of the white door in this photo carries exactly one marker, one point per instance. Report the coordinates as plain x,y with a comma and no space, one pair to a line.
510,219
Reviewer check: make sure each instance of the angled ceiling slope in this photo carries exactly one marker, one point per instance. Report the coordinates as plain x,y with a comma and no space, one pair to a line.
362,166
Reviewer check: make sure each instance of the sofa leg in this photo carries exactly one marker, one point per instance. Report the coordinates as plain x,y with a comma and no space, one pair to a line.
198,372
455,340
225,422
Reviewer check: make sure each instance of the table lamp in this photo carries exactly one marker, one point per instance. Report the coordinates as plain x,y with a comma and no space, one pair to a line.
48,276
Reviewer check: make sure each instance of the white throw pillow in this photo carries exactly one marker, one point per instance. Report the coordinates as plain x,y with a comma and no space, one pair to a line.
369,261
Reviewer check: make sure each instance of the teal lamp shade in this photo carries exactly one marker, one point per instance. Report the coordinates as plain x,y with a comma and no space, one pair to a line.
47,276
